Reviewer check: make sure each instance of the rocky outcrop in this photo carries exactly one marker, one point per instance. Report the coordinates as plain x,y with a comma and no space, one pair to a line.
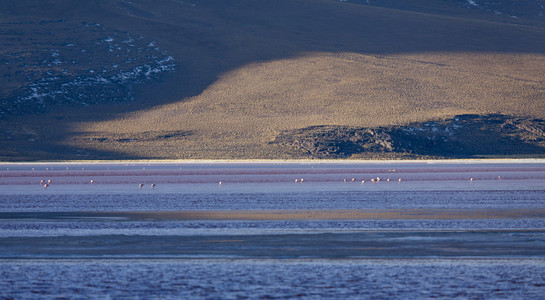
460,137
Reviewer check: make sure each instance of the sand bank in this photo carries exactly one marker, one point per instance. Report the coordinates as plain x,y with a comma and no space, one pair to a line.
288,214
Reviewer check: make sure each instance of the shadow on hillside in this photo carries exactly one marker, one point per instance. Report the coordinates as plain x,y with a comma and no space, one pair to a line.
209,38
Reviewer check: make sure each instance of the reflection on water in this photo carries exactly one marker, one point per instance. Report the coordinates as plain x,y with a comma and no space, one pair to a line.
435,234
361,244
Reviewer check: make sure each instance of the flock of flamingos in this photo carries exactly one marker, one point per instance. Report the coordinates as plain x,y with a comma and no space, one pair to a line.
47,183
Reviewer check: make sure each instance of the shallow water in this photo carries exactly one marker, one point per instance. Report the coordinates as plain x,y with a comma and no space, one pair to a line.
257,200
260,234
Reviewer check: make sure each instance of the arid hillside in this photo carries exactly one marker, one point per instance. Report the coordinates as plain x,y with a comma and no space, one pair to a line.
173,79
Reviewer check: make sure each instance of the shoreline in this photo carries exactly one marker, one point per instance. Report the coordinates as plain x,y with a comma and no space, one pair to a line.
286,161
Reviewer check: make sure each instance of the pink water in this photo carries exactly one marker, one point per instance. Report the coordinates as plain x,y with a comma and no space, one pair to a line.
77,238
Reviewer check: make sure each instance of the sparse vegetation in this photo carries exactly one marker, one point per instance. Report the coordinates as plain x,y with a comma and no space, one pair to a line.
250,72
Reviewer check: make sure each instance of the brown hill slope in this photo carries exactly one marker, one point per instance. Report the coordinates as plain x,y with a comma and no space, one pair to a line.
242,73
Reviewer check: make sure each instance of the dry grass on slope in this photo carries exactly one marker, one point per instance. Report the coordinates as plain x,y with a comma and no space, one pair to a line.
247,70
238,115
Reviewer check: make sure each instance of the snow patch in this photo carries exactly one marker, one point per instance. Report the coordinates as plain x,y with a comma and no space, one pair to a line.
79,80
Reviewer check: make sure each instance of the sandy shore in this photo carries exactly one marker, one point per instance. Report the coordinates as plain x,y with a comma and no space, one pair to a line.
390,214
288,214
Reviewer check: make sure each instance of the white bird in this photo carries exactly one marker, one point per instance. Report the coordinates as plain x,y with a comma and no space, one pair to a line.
42,182
363,181
140,186
220,183
302,179
152,186
45,186
296,180
471,179
92,181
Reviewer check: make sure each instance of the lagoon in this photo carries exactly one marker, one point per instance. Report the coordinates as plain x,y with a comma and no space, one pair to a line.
261,234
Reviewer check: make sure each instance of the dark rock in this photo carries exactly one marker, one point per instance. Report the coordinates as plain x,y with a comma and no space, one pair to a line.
460,137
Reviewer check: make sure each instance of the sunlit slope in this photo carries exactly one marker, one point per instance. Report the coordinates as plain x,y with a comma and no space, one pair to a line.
245,71
245,109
